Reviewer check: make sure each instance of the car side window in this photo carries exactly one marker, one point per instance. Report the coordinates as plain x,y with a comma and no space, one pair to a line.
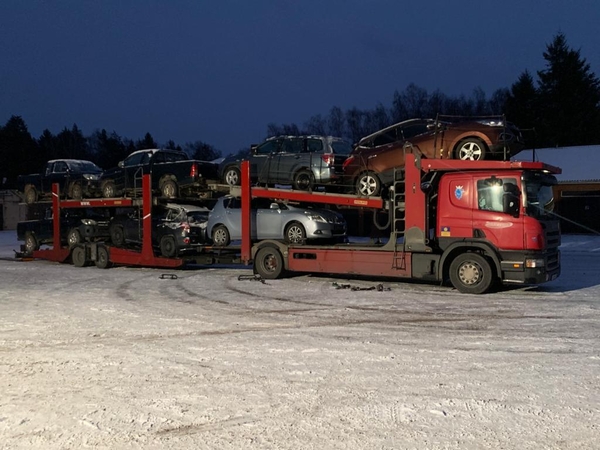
136,160
292,146
385,138
414,130
267,148
60,167
314,145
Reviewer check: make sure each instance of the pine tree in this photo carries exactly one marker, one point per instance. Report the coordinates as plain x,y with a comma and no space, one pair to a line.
569,97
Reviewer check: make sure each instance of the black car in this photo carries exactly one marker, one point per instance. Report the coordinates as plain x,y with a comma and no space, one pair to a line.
176,229
76,225
174,175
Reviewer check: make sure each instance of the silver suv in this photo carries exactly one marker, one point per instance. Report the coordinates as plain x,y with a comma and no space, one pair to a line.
301,161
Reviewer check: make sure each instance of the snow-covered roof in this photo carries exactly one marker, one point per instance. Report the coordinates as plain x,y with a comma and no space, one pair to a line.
581,163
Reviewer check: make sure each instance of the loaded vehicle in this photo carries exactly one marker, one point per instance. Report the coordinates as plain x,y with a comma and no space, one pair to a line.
176,229
174,175
301,161
76,225
77,178
371,165
274,220
474,223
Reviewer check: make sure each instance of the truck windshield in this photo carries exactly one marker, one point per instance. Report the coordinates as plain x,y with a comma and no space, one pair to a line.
539,198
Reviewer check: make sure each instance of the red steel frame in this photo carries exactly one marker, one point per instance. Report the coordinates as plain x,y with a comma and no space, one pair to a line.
116,255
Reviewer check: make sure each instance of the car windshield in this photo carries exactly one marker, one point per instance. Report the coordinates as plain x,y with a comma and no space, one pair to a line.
539,195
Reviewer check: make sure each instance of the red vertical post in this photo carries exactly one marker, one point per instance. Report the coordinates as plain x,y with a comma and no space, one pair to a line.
147,251
56,216
246,254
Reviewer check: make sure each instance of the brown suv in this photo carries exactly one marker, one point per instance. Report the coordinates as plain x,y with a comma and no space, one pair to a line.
371,164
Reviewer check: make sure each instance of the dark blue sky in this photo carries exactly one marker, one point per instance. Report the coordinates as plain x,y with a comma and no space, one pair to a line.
220,71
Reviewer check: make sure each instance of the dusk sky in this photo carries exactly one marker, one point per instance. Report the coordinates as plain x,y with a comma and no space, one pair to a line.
220,71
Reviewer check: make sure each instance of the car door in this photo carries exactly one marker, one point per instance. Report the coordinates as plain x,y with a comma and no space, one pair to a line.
268,218
261,161
59,174
133,169
291,156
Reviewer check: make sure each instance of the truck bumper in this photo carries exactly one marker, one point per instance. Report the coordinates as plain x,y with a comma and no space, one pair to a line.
530,268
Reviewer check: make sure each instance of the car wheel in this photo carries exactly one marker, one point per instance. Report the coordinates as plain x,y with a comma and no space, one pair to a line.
220,236
268,263
295,233
232,176
102,258
471,149
304,180
78,256
169,189
368,184
108,189
31,243
76,191
471,273
168,248
31,195
117,236
74,237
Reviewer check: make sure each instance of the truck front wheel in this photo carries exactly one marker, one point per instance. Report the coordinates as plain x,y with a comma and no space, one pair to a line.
471,273
31,243
31,195
268,263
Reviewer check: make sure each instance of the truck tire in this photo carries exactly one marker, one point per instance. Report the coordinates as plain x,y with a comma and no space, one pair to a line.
169,189
78,256
74,237
471,149
232,176
102,258
31,243
220,236
109,189
304,180
31,194
76,191
168,248
368,184
295,233
268,263
471,273
117,236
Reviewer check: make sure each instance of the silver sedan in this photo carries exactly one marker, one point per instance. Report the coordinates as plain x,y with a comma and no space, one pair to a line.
273,220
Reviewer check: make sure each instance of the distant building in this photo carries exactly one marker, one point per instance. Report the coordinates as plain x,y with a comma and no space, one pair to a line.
12,210
577,195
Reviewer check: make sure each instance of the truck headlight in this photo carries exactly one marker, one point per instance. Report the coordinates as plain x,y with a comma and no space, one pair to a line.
534,263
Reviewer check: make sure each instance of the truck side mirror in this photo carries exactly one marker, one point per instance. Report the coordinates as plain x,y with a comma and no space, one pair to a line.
511,199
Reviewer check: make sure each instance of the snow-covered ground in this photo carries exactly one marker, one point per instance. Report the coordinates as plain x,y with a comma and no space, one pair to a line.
121,358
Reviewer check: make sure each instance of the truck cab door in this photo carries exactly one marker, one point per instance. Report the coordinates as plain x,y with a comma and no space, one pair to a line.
497,211
59,174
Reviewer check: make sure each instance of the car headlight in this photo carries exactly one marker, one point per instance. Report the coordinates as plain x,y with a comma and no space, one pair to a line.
90,177
316,217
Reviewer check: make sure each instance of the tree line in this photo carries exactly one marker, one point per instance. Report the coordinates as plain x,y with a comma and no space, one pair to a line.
559,108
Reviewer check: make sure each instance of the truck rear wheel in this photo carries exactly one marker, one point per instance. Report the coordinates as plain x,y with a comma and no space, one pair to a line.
169,189
268,263
78,256
471,273
102,258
